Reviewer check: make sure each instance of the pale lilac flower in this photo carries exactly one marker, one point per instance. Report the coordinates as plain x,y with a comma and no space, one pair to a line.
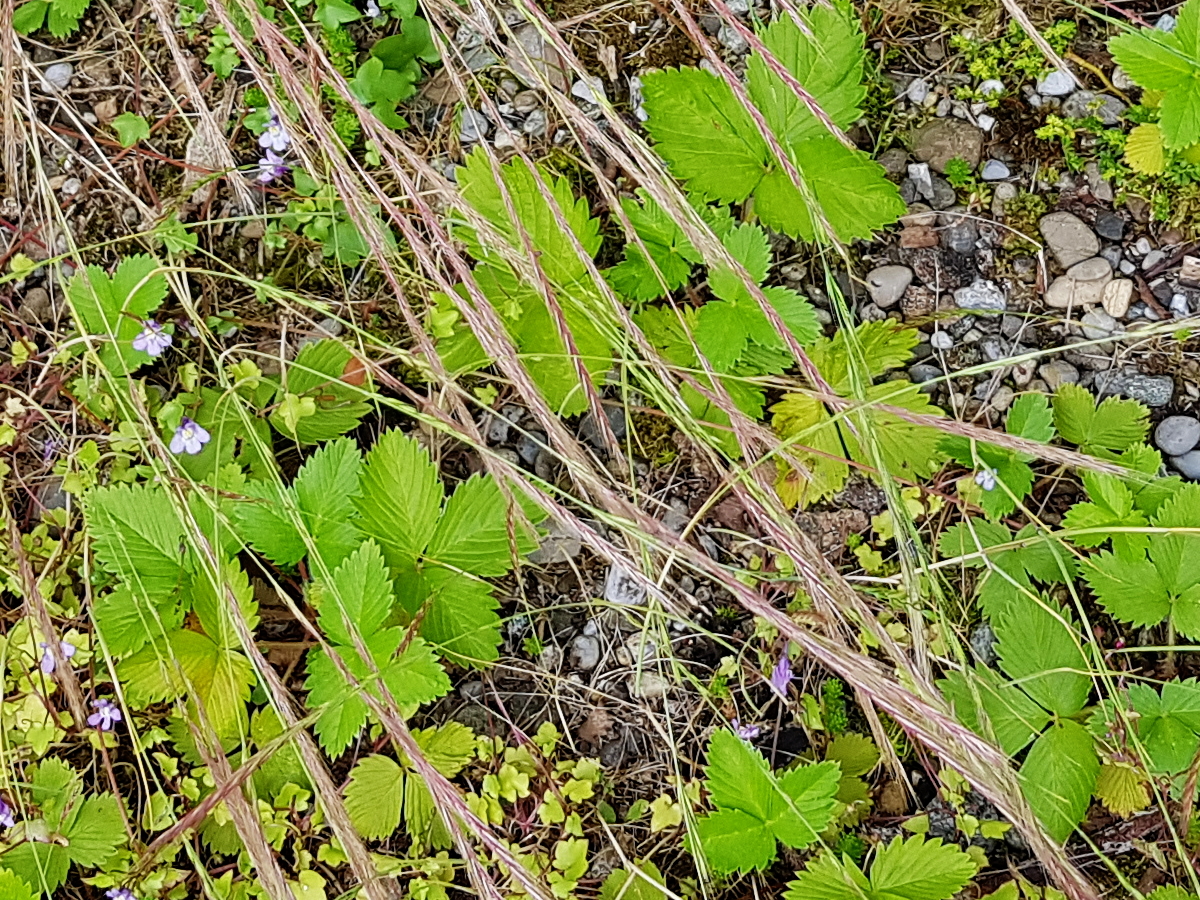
6,815
745,732
373,10
275,136
189,438
120,894
106,715
986,479
48,661
781,676
152,339
271,166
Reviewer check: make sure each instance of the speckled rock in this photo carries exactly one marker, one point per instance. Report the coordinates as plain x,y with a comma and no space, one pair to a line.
942,140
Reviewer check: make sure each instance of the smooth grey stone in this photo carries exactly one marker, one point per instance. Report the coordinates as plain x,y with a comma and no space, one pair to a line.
1188,465
1176,435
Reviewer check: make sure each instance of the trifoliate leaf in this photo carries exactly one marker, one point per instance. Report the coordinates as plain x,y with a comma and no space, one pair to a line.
669,249
1169,63
913,869
1059,776
1039,647
400,497
375,796
114,308
130,128
1113,425
1144,150
755,808
1122,789
1147,590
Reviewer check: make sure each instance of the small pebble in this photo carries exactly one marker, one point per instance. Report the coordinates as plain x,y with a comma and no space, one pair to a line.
941,340
621,588
1152,259
1057,84
887,284
58,75
994,170
590,91
991,86
1110,226
475,126
1188,465
1058,372
585,653
1176,435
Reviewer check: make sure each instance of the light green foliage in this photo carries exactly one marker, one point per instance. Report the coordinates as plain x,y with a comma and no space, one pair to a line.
112,308
519,304
82,830
13,888
1166,724
382,791
621,884
671,255
322,216
913,869
324,406
1156,576
1169,63
353,611
130,128
757,808
438,546
734,334
1111,505
1039,648
714,144
907,450
1013,52
1030,417
59,17
1111,426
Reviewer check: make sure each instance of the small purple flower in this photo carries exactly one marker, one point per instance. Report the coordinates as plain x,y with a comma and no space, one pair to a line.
48,661
275,136
271,166
189,438
986,479
105,716
152,339
781,676
120,894
6,815
745,732
373,10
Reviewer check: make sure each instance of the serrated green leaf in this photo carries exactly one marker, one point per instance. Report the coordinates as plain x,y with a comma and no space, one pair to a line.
130,128
1059,776
855,754
45,866
884,346
137,535
459,613
1144,149
54,788
358,599
473,531
994,708
400,497
755,808
1113,425
114,307
266,517
913,869
95,831
126,621
1169,63
747,244
668,248
210,602
325,489
1111,508
1031,417
705,134
1168,725
13,887
375,796
1039,647
30,16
